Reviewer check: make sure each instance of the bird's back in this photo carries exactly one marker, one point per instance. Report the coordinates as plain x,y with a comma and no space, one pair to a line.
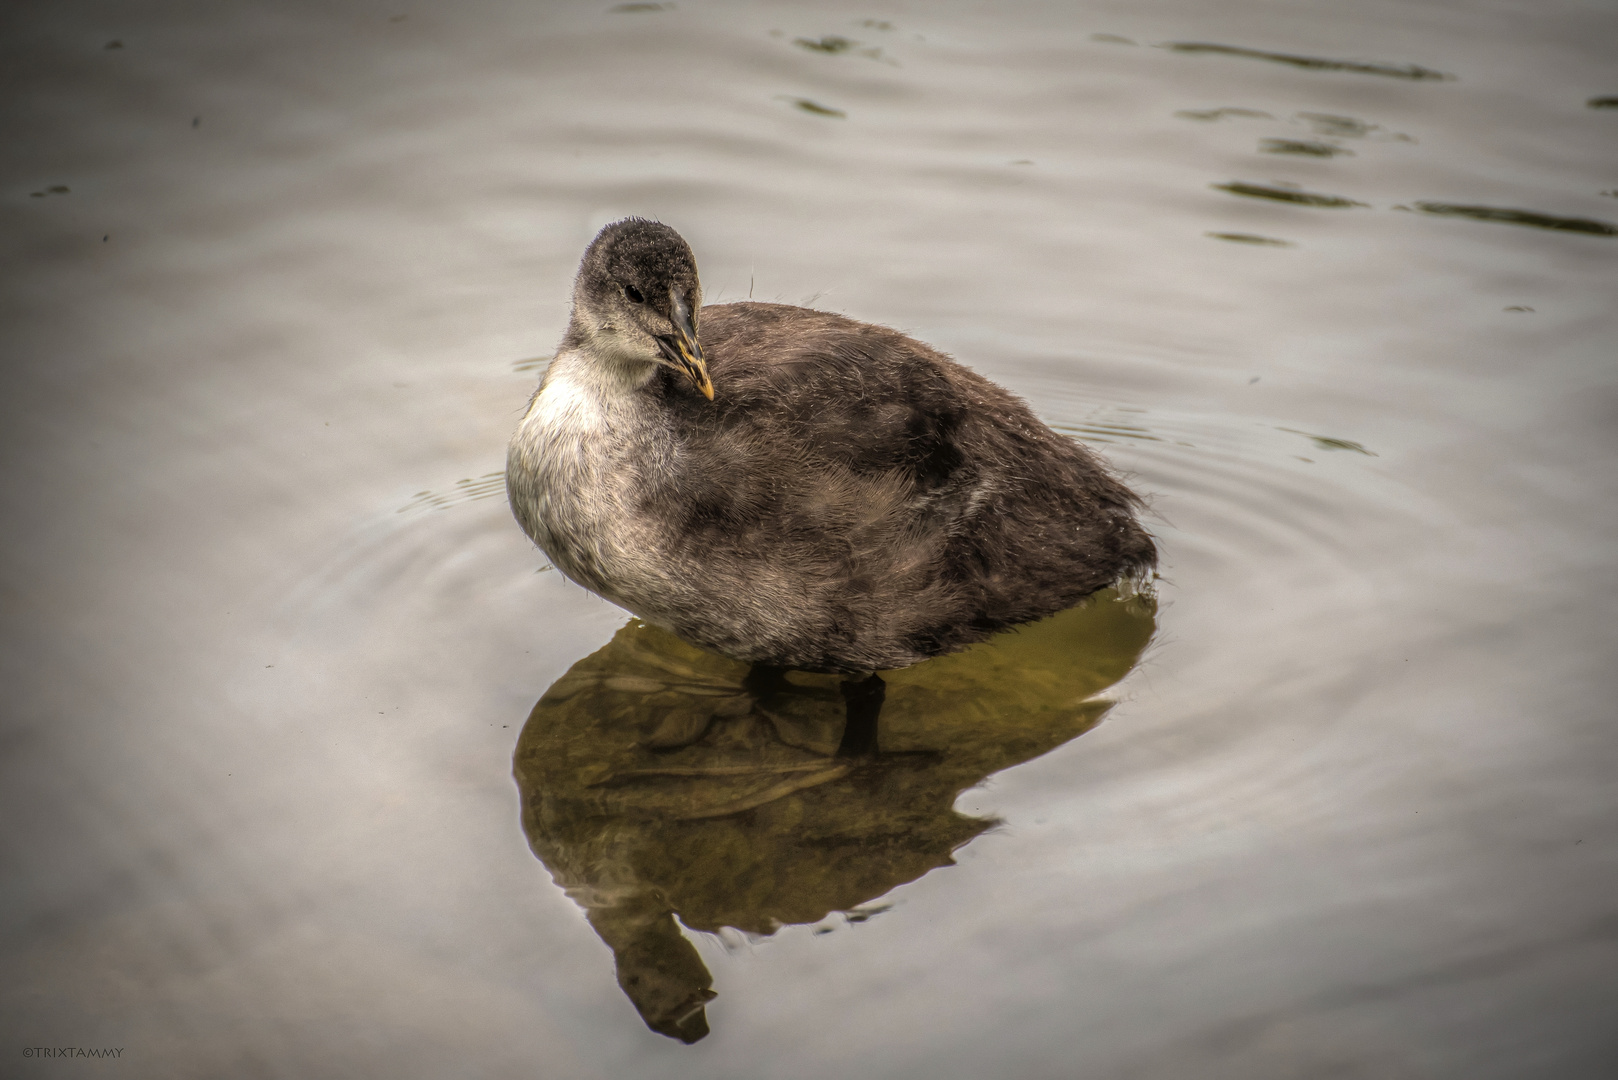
854,500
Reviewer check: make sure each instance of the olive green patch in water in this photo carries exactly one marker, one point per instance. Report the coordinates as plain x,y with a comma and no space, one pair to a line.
749,820
1250,238
1588,226
1414,72
831,44
54,189
633,8
1299,146
1608,101
1517,307
814,108
1210,115
1287,195
1348,127
1112,39
1331,124
1326,442
877,24
834,44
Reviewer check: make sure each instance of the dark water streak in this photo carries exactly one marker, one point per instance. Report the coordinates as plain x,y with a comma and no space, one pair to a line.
1287,195
1508,216
1414,72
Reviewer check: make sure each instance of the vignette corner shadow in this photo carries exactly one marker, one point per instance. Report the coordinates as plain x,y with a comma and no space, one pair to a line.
661,785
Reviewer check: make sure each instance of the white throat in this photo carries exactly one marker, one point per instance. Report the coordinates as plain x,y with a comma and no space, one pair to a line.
572,466
586,381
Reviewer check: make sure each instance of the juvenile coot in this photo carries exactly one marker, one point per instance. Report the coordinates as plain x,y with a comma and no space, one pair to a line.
796,489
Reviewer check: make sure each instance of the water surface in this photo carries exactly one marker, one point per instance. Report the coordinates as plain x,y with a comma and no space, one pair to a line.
280,279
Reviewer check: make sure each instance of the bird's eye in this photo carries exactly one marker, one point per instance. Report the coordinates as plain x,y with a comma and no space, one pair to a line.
634,295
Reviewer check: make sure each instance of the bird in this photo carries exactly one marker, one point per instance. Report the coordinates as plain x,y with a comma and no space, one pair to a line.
798,490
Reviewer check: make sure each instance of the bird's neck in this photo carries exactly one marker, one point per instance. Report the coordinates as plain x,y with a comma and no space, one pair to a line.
595,352
605,374
586,394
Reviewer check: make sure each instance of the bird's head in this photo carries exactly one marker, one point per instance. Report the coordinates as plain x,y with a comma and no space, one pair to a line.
637,298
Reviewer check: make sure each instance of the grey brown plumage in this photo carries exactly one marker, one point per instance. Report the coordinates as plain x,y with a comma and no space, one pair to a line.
850,500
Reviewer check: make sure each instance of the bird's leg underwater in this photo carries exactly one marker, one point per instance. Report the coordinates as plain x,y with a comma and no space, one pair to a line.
864,702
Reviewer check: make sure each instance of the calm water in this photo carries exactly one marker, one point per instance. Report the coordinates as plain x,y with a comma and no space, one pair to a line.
277,796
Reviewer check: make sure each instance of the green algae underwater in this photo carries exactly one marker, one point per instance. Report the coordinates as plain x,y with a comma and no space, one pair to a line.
656,786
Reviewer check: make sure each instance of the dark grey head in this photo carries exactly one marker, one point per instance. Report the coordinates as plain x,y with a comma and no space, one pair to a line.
637,298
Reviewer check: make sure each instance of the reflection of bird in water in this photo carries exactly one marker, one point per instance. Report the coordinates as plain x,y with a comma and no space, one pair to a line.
837,497
759,824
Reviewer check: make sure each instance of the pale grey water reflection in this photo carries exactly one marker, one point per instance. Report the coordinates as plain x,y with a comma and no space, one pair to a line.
276,273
